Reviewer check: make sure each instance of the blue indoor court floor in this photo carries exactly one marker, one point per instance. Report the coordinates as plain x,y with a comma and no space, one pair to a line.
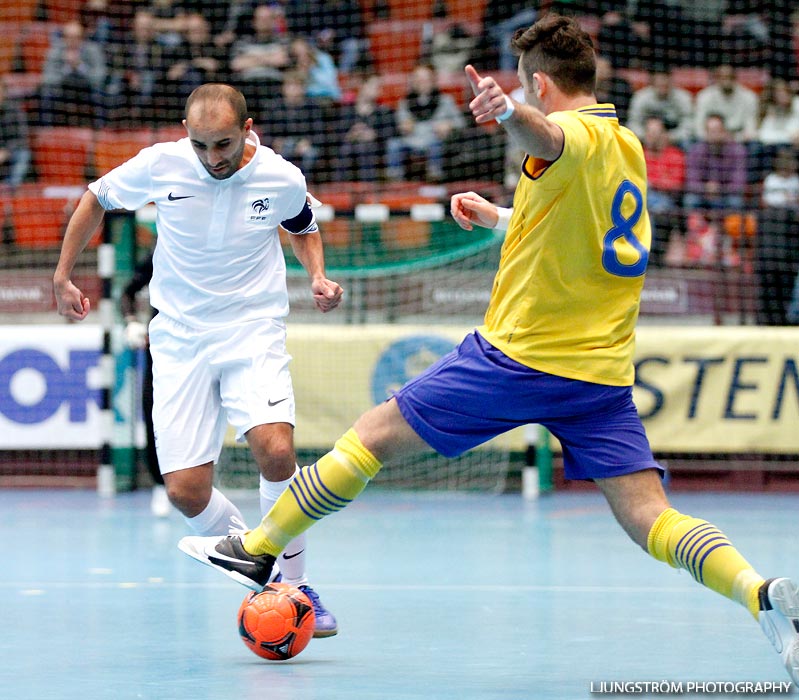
438,596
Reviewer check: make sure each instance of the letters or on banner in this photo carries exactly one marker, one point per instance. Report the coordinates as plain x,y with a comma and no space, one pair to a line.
49,387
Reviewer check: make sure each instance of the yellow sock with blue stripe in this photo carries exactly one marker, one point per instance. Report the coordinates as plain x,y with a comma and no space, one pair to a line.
319,490
704,552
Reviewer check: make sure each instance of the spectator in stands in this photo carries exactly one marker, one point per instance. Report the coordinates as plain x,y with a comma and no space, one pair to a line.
168,26
778,126
715,175
744,34
782,21
612,88
15,154
620,40
425,117
259,58
737,105
501,19
215,12
291,125
672,105
665,173
779,115
105,22
194,61
335,26
73,79
781,185
777,244
317,69
138,63
700,31
660,26
366,126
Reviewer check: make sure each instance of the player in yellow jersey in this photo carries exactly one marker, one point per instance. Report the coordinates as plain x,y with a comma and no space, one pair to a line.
556,347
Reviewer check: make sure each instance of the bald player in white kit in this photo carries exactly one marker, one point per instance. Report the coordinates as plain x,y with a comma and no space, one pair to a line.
218,341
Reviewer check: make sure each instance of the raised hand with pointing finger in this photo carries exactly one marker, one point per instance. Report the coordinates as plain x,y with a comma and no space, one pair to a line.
490,101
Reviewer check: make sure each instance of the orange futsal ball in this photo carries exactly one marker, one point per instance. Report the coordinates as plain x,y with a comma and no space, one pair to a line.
276,623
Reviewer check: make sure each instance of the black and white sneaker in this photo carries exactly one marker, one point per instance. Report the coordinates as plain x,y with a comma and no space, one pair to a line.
779,620
227,554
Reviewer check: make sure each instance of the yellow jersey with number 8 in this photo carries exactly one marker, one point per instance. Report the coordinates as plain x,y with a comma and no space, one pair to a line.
567,292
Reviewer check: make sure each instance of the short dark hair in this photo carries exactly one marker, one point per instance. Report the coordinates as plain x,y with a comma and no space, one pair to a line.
220,92
558,46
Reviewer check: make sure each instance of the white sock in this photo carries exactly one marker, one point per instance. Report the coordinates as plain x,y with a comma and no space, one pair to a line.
217,517
292,560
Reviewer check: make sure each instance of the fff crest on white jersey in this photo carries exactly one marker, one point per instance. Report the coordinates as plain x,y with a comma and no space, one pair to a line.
259,210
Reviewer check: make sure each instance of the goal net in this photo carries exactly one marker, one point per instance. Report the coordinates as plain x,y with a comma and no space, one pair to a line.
370,99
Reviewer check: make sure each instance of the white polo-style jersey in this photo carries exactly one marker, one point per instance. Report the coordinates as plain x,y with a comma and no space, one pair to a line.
218,259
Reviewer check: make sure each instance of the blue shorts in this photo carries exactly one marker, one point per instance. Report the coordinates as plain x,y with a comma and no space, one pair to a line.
476,392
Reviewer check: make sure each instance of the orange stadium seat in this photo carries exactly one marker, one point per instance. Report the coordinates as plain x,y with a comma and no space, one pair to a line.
400,233
112,148
368,10
637,77
395,44
754,78
467,10
19,10
34,45
169,133
61,154
62,10
410,9
691,78
340,232
393,87
39,222
9,35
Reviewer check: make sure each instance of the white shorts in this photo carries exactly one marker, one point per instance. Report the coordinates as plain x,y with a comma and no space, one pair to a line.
205,379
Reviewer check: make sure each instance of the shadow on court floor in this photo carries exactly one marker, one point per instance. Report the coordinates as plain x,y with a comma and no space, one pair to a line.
438,596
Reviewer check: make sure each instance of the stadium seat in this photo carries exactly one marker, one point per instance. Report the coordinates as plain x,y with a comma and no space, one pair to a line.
690,78
467,10
393,87
62,10
402,232
61,154
340,232
754,78
112,148
19,10
410,9
401,196
395,44
637,77
591,25
34,45
39,222
169,133
9,35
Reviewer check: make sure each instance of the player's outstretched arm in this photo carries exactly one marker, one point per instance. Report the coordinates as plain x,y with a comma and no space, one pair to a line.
529,127
82,224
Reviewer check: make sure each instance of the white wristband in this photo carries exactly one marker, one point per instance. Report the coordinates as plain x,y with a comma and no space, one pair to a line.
509,109
503,218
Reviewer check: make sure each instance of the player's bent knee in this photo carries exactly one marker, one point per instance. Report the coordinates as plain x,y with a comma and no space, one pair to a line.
189,497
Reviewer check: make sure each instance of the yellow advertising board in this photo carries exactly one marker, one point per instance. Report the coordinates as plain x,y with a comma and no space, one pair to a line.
698,389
